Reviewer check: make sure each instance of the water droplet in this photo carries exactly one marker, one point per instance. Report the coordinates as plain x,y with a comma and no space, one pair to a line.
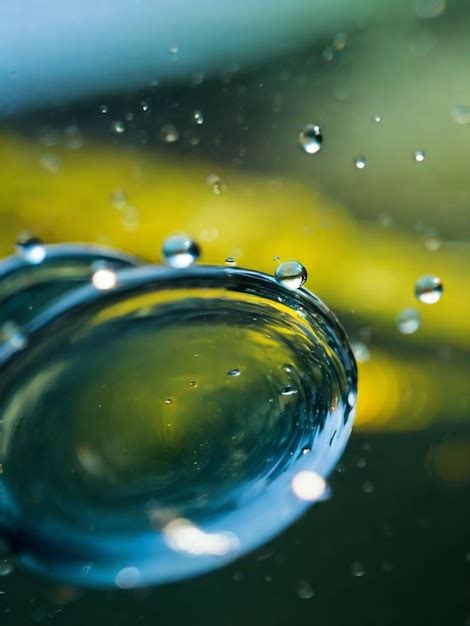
193,383
103,108
408,321
180,251
377,119
304,590
169,133
310,140
291,274
103,278
31,249
287,367
14,335
128,578
419,156
360,162
357,569
360,351
306,450
230,261
432,244
216,183
234,372
118,127
461,114
198,117
145,106
428,289
308,485
6,567
168,401
118,199
340,40
288,391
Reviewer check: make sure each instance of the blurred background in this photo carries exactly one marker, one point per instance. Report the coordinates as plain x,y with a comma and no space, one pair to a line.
123,122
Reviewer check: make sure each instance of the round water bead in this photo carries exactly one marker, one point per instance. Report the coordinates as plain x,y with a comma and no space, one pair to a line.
310,139
291,274
180,251
360,162
408,321
32,250
428,289
104,483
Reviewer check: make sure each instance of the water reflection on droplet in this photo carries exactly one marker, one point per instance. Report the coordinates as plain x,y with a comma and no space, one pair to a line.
360,162
31,249
291,274
408,321
230,261
310,139
419,156
169,133
118,127
289,391
216,183
198,117
304,590
6,566
180,251
428,289
234,372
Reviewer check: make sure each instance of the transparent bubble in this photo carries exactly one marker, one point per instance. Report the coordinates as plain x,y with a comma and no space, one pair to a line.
408,321
360,162
118,127
377,119
6,566
31,249
216,183
310,139
103,108
180,251
419,156
291,274
428,289
198,117
145,106
169,133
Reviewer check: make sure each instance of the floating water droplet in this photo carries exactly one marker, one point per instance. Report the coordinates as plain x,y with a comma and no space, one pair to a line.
216,183
230,261
174,49
145,106
14,335
408,321
50,162
429,9
198,117
180,251
31,249
377,119
169,133
234,372
357,569
6,567
419,156
101,356
289,391
118,127
104,278
287,367
340,40
360,351
291,274
428,289
103,108
310,140
360,162
304,590
168,401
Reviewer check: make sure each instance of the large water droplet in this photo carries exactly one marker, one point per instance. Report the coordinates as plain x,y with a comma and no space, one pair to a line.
180,251
310,139
131,486
428,289
291,274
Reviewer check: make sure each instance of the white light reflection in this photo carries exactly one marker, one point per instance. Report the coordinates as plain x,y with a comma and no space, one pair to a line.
183,536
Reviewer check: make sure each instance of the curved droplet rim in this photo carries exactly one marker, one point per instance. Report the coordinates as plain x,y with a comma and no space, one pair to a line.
43,549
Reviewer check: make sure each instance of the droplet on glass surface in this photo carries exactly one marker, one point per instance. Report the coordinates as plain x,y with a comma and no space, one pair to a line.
377,119
50,162
6,567
118,127
145,106
216,183
340,40
180,251
104,278
408,321
31,249
103,108
169,133
360,162
428,289
368,486
429,9
198,117
419,156
310,139
291,274
174,49
304,590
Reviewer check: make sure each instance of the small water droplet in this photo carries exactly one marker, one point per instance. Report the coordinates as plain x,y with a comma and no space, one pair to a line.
169,133
128,578
340,40
103,108
230,261
360,162
234,372
360,351
408,321
287,367
193,383
291,274
14,335
310,139
432,244
145,106
306,450
118,127
198,117
357,569
419,156
309,486
304,590
216,183
368,486
180,251
31,249
6,567
377,119
461,114
168,401
118,199
288,391
428,289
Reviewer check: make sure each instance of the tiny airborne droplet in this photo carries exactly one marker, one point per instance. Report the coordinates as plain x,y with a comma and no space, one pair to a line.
234,372
291,274
32,250
428,289
310,139
360,162
198,117
408,321
180,251
419,156
289,391
118,127
169,133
